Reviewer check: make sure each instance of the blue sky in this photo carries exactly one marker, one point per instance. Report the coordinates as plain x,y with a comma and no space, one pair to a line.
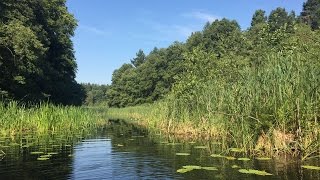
110,32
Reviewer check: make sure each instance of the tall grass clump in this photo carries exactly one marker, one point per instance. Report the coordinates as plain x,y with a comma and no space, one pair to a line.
272,108
46,118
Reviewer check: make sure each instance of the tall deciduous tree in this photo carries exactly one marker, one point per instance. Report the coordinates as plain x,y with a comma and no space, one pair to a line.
36,52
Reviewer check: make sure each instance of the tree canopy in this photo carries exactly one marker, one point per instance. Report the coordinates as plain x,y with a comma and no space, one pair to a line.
36,52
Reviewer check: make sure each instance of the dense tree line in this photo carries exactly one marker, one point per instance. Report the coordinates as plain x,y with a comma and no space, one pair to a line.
96,95
37,60
223,49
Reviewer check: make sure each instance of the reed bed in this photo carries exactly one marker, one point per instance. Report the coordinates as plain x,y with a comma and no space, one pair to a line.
46,118
272,109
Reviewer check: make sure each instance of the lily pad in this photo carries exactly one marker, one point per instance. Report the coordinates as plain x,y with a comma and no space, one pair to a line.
25,146
42,159
263,158
37,152
67,145
183,154
217,156
236,150
253,171
183,170
120,145
53,153
191,167
311,167
235,167
230,158
45,156
209,168
243,159
200,147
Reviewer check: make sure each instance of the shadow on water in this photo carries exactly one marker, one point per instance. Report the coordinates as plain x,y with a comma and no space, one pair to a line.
124,150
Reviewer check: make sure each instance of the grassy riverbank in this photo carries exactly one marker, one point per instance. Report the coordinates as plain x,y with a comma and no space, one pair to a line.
46,118
241,133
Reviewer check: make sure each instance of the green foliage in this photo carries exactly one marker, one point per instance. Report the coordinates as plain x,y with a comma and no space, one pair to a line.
46,119
259,17
36,52
140,59
311,13
96,94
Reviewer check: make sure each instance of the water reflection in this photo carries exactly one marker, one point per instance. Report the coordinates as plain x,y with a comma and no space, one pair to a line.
125,151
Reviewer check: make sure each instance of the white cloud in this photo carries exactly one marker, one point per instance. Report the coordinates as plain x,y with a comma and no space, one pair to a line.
202,16
94,30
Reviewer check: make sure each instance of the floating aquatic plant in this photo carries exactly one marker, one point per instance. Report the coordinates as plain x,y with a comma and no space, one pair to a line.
217,156
210,168
37,152
230,158
42,159
235,166
183,170
236,150
183,154
263,158
200,147
45,156
120,145
188,168
253,171
243,159
311,167
191,167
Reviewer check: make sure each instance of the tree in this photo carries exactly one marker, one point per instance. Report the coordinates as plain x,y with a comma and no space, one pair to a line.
279,18
36,52
311,13
139,59
223,37
258,17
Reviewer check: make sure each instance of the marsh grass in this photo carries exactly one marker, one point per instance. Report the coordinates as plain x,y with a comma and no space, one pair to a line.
47,119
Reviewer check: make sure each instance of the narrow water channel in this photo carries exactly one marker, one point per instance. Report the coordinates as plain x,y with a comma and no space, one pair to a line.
125,151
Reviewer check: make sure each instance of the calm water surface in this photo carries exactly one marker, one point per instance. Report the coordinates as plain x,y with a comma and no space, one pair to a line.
124,151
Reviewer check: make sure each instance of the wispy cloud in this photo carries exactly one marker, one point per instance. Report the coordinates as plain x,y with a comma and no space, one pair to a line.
94,30
163,32
203,16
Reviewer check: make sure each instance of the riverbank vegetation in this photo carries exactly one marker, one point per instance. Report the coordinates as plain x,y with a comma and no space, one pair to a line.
45,119
257,89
